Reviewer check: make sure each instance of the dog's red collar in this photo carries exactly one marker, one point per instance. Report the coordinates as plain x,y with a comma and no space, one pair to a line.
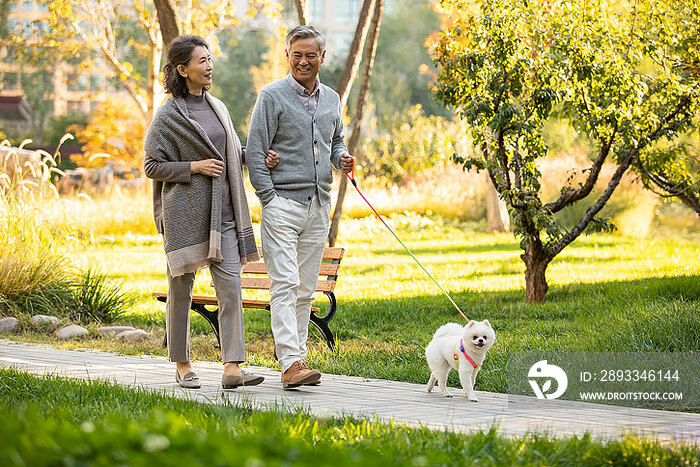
460,348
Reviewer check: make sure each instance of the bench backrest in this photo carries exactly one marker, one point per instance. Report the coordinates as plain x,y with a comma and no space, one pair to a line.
253,273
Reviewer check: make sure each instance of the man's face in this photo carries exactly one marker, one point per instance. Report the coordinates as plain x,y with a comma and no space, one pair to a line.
305,59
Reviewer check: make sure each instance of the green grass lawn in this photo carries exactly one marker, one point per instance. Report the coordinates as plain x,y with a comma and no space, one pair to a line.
53,421
607,293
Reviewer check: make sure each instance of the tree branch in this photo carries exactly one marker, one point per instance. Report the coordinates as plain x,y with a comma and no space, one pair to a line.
503,156
301,11
129,82
682,190
588,112
570,196
517,162
615,180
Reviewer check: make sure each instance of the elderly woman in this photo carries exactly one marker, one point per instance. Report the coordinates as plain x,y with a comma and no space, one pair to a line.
200,206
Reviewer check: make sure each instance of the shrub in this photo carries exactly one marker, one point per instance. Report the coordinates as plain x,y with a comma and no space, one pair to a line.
95,299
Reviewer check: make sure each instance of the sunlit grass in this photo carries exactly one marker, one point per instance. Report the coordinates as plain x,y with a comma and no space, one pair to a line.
56,421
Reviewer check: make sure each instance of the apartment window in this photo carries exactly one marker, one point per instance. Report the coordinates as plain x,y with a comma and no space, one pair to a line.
12,25
346,10
77,82
10,81
113,84
27,28
317,11
48,82
96,82
27,5
75,106
42,27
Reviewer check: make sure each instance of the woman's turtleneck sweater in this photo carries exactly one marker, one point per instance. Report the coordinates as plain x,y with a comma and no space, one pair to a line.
201,112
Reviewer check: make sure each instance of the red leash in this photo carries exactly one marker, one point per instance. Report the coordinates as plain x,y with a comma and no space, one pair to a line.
354,183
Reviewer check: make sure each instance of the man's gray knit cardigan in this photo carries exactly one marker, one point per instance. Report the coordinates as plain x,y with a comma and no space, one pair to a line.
187,207
307,145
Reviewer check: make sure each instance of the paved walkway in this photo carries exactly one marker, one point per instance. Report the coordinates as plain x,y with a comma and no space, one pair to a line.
383,400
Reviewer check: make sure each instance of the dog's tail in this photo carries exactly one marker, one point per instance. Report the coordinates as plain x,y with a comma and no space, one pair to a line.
449,329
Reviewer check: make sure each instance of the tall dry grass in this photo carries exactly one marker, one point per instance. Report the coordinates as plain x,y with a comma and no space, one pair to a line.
37,274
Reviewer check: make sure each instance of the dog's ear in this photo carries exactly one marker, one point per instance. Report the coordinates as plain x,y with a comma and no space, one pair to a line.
486,322
469,324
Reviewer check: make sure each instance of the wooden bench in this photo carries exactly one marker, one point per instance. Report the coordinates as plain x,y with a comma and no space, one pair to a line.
254,276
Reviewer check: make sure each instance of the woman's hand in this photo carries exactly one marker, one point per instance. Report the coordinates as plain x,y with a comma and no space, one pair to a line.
211,167
272,159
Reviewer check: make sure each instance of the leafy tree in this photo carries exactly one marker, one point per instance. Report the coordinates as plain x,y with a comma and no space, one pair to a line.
673,171
233,83
625,74
58,126
401,79
115,132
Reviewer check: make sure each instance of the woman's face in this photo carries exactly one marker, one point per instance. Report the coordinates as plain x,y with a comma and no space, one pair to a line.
197,72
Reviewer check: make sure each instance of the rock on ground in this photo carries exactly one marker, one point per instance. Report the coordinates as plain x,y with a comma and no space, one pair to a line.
45,321
115,329
71,332
136,335
8,324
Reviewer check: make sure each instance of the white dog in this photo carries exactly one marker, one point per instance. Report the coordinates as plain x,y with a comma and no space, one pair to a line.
462,349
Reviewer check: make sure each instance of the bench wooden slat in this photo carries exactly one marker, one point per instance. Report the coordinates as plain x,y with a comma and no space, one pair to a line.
329,253
264,283
327,269
263,304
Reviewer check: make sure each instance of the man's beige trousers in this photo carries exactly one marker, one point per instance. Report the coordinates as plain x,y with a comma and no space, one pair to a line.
293,236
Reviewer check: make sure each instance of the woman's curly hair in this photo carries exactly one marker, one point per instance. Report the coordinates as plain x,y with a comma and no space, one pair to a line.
179,53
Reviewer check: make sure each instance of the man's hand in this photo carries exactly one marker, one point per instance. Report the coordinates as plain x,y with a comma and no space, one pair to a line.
347,162
272,159
211,167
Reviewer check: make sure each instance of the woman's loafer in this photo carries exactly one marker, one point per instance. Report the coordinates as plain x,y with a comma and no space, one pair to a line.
246,379
189,381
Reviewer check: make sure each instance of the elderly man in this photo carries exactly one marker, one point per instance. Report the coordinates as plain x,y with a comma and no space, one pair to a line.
299,118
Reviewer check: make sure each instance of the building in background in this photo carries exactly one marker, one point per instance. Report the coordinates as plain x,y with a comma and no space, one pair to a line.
69,88
337,20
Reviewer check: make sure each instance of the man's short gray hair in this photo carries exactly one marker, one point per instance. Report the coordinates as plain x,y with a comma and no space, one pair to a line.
304,32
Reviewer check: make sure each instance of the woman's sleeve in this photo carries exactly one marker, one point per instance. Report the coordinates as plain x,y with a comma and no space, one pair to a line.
157,163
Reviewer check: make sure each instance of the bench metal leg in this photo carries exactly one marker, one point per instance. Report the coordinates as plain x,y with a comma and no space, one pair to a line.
212,318
321,322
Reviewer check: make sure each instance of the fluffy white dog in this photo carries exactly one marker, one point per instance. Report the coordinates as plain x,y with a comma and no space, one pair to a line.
461,348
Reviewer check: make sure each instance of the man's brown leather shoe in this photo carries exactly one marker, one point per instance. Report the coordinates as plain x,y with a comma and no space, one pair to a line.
298,375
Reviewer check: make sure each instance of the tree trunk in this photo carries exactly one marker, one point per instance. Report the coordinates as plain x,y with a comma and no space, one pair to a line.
368,66
167,20
302,11
536,261
352,64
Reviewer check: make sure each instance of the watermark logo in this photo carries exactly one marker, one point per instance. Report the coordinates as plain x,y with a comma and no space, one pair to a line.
546,372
